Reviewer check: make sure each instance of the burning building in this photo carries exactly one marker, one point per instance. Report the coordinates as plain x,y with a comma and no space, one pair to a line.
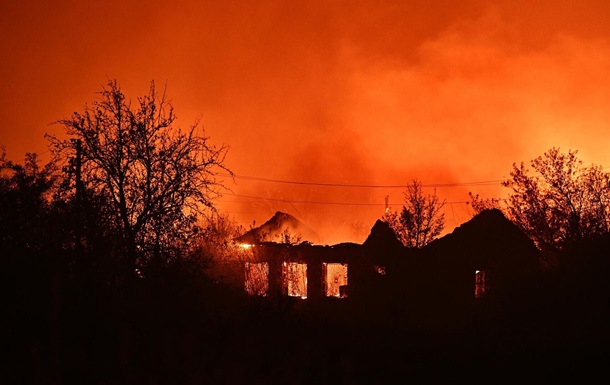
487,258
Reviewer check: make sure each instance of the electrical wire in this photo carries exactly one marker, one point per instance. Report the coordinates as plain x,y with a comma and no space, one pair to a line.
269,180
320,202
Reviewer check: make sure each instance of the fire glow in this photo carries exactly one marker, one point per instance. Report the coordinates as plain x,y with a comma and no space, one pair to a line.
295,279
378,93
335,281
257,278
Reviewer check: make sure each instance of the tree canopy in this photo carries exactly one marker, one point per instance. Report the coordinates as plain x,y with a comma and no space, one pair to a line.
559,201
156,178
25,204
420,220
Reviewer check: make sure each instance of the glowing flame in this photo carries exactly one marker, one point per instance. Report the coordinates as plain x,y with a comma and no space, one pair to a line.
335,279
257,278
295,279
245,246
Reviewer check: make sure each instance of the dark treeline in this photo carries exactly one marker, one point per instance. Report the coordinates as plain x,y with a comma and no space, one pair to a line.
107,279
68,319
73,314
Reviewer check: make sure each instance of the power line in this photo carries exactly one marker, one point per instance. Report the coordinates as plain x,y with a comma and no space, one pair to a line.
320,202
303,201
456,184
292,201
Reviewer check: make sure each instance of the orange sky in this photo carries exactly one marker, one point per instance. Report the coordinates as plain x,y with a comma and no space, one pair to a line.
342,92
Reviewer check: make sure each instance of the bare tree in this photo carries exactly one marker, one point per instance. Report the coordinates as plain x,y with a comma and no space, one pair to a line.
561,202
421,219
157,179
285,237
479,204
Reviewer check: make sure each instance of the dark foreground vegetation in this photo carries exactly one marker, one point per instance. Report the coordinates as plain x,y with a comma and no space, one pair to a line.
182,329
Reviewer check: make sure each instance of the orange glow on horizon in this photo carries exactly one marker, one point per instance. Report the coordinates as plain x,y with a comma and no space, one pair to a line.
360,93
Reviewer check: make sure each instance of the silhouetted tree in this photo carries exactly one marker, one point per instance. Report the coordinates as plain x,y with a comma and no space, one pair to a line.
156,178
560,202
45,232
479,204
421,219
25,203
286,237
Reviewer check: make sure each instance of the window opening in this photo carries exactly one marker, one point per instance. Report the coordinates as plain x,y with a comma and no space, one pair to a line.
480,283
335,279
257,278
295,279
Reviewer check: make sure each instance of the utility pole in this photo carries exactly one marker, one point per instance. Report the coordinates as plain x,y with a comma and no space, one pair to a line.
387,208
75,165
77,171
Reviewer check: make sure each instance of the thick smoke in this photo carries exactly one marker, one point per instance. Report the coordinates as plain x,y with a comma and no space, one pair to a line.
460,106
371,93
